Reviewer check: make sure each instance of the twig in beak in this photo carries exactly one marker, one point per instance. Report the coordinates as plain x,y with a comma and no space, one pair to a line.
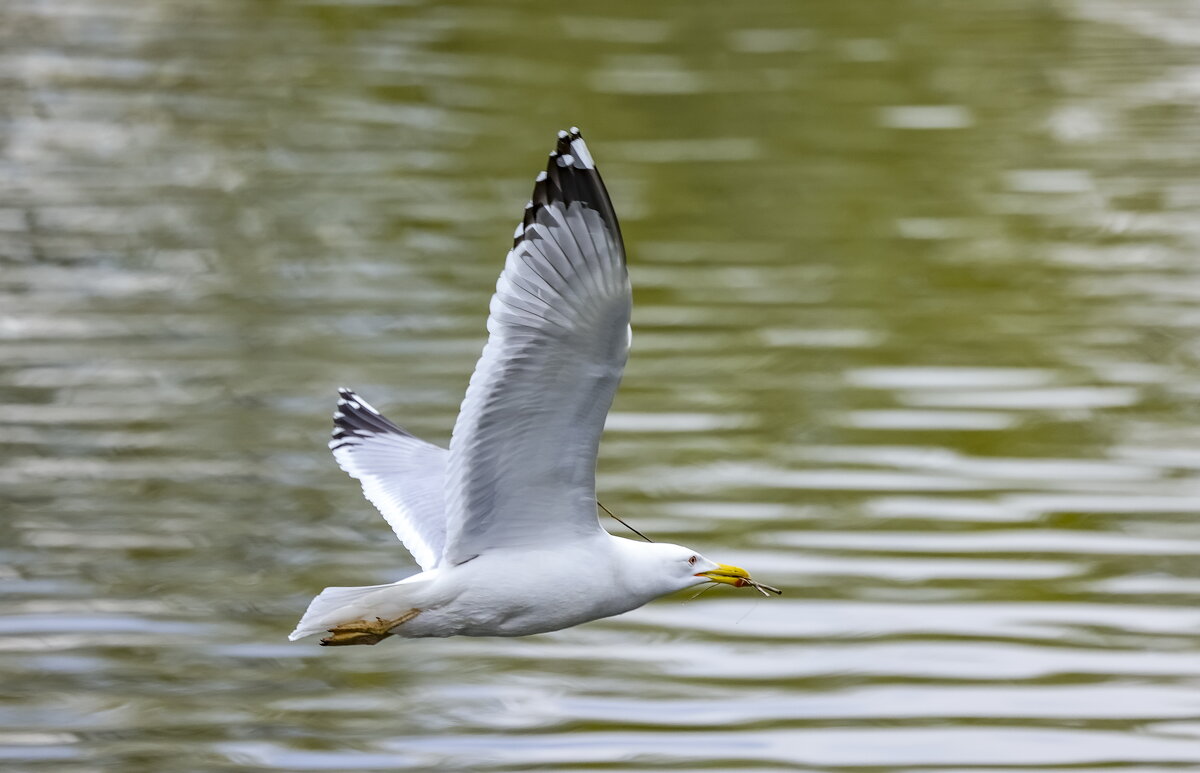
708,587
762,587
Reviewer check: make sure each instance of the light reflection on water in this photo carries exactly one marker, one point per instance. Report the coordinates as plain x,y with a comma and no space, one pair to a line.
913,339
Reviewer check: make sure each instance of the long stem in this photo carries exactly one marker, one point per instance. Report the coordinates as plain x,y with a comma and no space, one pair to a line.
627,526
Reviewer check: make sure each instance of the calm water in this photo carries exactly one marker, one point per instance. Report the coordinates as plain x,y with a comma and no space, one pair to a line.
916,326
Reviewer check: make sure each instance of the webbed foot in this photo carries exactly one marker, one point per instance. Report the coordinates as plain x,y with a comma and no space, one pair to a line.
364,631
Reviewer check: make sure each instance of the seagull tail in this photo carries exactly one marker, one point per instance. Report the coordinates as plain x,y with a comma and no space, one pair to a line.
335,606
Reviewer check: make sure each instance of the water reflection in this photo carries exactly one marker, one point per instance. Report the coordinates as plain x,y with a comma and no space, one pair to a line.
913,321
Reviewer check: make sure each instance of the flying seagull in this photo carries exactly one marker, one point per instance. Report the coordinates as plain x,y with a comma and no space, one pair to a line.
504,523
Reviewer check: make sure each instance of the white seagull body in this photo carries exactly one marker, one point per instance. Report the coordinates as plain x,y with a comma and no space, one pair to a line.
504,523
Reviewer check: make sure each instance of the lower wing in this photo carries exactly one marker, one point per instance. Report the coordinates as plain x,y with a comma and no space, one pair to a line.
402,475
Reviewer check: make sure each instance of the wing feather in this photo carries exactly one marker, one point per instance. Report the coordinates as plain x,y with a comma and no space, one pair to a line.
402,475
522,462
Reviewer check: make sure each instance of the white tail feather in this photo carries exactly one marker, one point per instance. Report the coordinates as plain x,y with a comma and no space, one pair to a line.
335,606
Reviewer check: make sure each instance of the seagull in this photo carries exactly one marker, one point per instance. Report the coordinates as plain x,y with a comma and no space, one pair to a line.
504,523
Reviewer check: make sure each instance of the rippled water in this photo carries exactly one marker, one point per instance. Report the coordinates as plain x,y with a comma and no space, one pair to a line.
915,338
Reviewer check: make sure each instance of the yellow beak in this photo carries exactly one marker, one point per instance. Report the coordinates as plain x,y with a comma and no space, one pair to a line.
730,575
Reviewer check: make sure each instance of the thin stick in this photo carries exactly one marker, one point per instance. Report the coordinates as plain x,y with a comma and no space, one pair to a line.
762,587
748,611
627,526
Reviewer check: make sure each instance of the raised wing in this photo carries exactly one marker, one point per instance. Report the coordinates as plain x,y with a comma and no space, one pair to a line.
402,475
522,467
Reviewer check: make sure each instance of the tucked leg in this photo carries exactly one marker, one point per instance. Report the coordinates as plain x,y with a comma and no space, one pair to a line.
364,631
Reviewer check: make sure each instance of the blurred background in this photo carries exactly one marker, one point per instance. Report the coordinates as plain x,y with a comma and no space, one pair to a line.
914,338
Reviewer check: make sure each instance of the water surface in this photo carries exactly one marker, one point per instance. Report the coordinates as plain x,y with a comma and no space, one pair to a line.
915,339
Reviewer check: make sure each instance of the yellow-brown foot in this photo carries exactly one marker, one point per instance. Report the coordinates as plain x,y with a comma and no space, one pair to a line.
365,632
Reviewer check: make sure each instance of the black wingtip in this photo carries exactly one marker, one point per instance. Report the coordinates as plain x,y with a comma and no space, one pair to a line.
356,418
570,176
563,146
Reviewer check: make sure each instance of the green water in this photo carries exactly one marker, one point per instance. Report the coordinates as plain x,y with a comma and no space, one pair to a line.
915,330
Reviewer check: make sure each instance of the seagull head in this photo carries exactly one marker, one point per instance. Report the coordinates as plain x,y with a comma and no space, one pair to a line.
678,567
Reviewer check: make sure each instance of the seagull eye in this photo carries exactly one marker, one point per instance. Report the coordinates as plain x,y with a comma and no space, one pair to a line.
692,560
